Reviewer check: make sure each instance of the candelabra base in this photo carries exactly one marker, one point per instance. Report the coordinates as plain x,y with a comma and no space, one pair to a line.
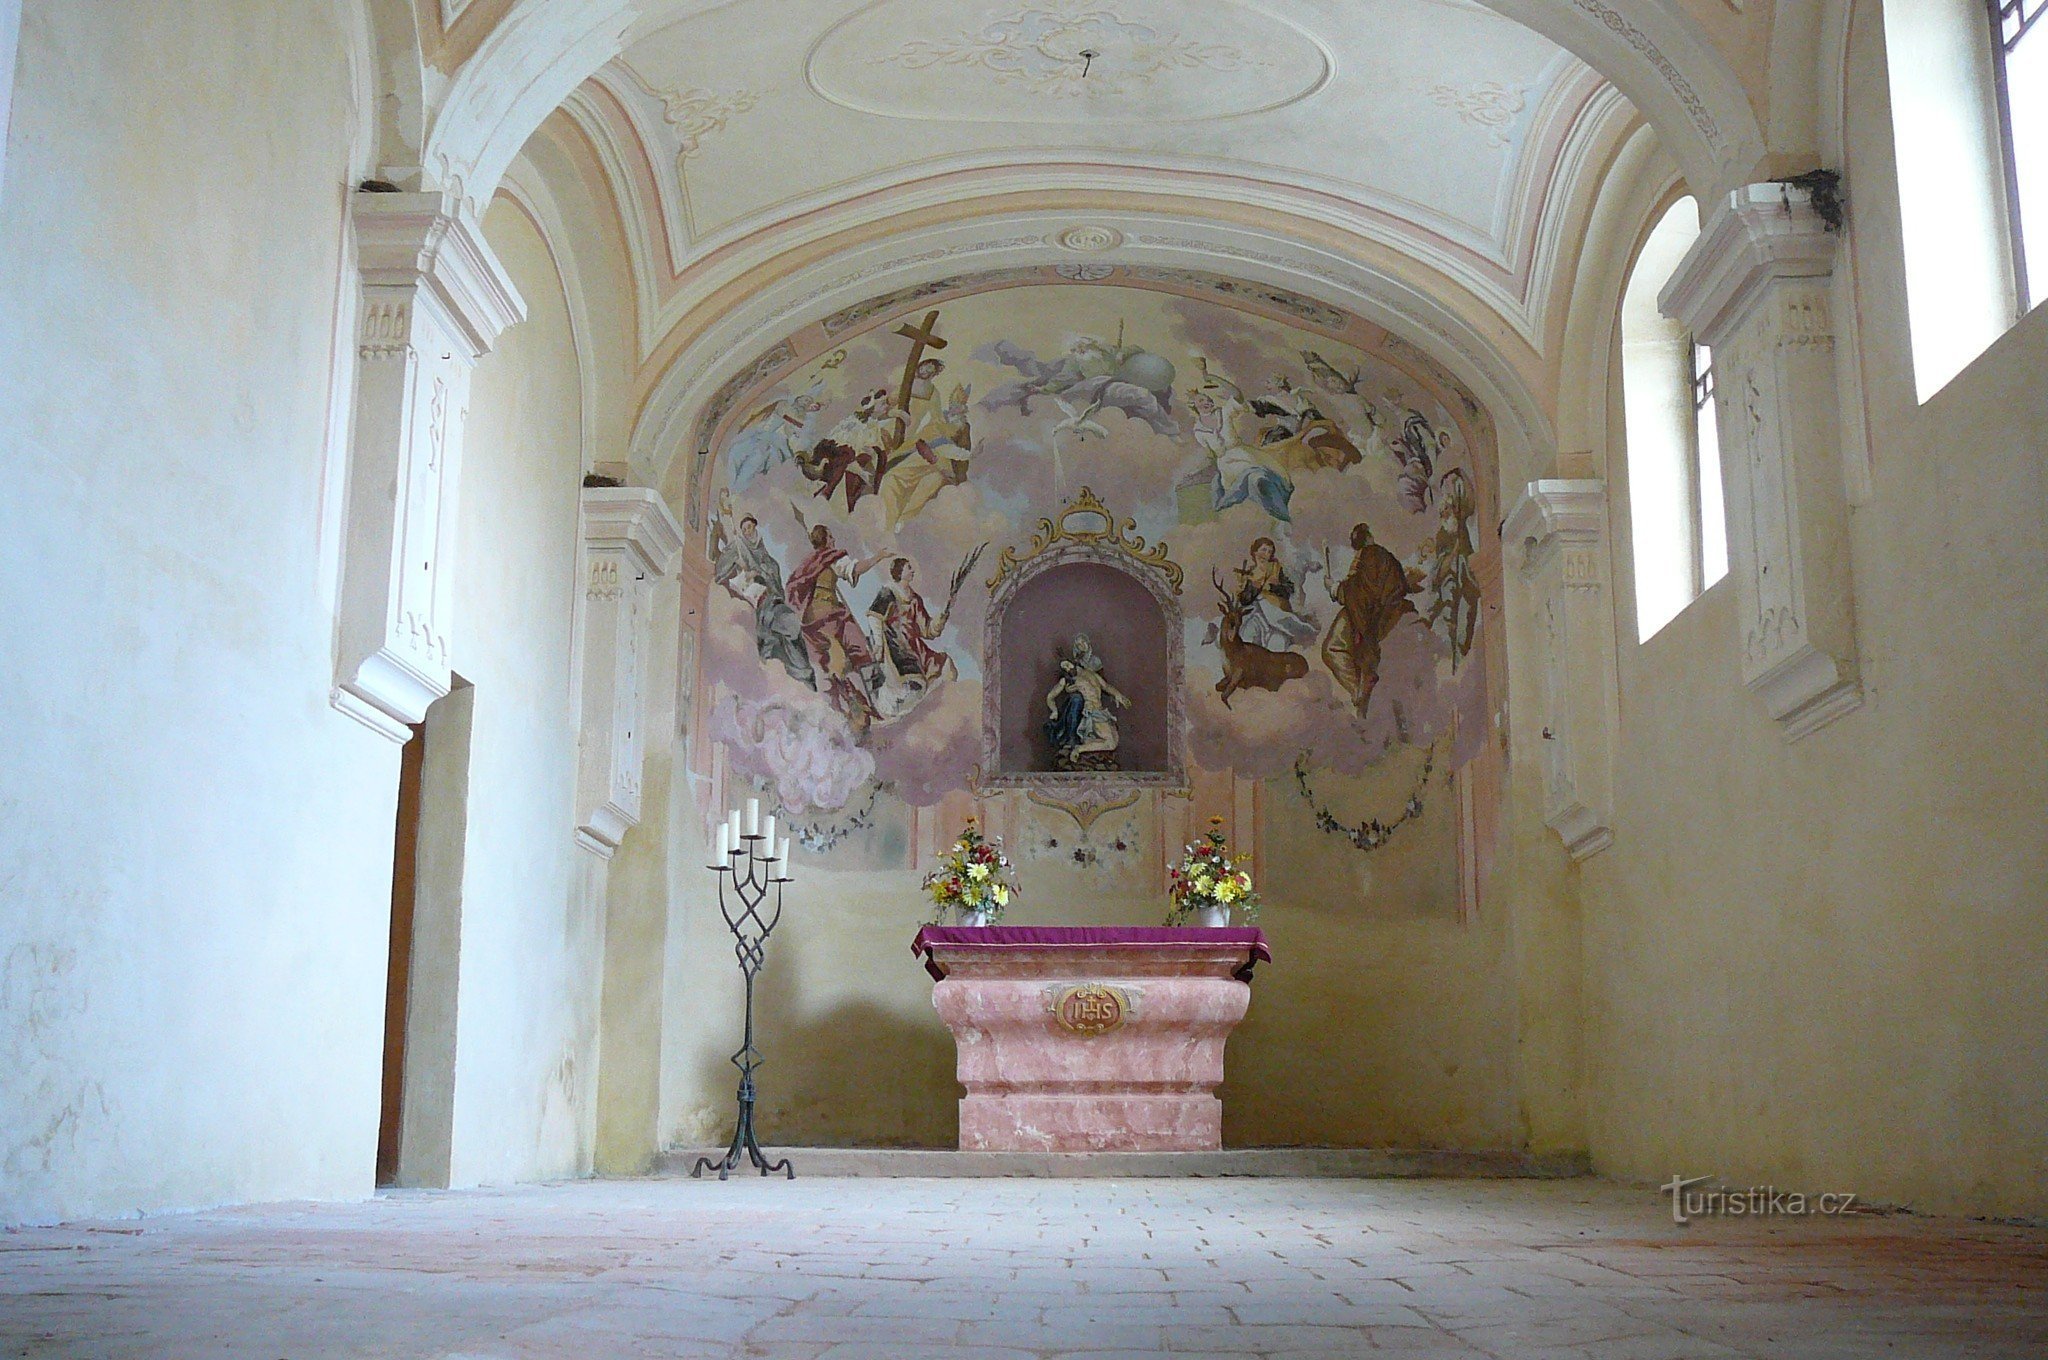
743,1143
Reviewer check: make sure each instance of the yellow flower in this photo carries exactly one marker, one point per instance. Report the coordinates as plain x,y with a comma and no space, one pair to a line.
977,872
1002,896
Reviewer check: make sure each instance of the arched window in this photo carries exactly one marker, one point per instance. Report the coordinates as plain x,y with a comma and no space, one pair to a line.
2019,49
1678,523
1956,204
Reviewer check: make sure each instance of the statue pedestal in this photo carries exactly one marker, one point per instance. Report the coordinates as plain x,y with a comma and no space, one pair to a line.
1090,1039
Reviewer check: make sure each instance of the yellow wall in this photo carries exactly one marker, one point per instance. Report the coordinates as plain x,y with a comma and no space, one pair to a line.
1370,1028
1820,964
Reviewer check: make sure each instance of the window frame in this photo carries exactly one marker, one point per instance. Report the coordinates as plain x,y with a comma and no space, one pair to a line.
1706,444
2000,12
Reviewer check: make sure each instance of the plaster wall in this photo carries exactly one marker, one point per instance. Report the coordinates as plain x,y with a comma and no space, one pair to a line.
1818,964
194,847
532,902
1366,1030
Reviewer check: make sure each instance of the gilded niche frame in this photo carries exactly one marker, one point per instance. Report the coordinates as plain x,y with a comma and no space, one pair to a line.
1085,531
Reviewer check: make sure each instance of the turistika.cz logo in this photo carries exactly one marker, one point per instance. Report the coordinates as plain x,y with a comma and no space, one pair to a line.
1693,1197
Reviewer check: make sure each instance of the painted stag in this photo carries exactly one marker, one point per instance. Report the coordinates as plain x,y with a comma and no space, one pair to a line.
1246,665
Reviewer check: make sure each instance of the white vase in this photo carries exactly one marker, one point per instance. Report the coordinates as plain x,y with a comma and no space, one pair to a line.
971,918
1213,917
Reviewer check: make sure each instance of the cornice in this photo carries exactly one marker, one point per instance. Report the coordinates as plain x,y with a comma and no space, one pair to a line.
636,520
424,240
1759,234
1553,510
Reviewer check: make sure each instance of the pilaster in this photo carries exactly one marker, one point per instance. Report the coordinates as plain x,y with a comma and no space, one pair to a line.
434,300
1755,288
630,541
1557,534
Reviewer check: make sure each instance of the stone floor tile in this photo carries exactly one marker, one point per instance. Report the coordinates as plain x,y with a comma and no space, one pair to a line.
990,1270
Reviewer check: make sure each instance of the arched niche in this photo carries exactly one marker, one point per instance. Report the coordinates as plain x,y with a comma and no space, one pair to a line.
1084,573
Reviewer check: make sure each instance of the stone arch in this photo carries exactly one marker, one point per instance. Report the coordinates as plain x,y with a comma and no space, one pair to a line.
525,68
1657,55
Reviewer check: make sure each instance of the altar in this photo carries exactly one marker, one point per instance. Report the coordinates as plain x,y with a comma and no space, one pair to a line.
1090,1038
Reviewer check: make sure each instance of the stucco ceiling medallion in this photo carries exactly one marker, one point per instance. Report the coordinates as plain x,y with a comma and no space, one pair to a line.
1065,62
1089,240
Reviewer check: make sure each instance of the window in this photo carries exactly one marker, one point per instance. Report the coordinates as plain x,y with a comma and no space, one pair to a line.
1678,521
2019,50
1954,174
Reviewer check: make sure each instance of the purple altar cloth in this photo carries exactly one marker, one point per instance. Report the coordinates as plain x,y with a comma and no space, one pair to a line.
1248,938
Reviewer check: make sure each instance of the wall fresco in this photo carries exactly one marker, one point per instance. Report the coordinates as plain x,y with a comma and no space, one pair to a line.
1319,490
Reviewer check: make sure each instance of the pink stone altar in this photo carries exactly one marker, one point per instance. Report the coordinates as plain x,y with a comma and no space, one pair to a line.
1090,1038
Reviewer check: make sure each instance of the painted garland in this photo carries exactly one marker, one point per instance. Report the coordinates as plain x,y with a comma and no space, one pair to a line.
820,836
1372,834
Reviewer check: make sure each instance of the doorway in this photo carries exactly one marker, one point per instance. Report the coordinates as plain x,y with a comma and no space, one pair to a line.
416,1121
398,966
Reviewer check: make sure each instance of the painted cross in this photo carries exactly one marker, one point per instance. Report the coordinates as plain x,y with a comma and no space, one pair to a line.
919,337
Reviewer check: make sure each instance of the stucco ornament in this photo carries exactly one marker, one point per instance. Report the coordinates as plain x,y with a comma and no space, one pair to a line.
1058,51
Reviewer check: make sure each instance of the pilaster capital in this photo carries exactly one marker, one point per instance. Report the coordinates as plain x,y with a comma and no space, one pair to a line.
428,243
1760,234
1555,510
635,521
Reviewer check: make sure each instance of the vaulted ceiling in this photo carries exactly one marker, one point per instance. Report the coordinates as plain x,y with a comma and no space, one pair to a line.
1426,165
1437,126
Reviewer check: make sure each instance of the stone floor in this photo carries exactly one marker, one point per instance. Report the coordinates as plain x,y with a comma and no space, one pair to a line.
1002,1269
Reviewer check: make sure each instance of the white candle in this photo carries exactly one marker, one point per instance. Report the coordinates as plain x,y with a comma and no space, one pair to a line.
753,816
734,826
782,858
768,834
724,840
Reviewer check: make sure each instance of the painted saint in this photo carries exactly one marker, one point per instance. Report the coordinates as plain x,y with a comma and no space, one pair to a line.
1452,587
1266,595
1296,433
932,452
839,650
1079,725
1420,442
1258,628
905,633
1236,474
745,566
1372,599
851,457
774,435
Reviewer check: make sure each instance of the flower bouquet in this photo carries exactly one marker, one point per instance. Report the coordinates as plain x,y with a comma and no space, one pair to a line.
974,878
1209,881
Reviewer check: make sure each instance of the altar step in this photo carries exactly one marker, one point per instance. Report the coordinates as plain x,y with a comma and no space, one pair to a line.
1308,1163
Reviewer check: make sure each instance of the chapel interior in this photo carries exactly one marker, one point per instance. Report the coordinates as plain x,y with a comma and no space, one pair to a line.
542,535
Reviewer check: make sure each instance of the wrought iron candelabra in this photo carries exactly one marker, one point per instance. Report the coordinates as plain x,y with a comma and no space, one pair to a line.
749,865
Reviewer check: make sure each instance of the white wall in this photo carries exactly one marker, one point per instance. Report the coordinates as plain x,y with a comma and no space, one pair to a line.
10,32
532,903
194,848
